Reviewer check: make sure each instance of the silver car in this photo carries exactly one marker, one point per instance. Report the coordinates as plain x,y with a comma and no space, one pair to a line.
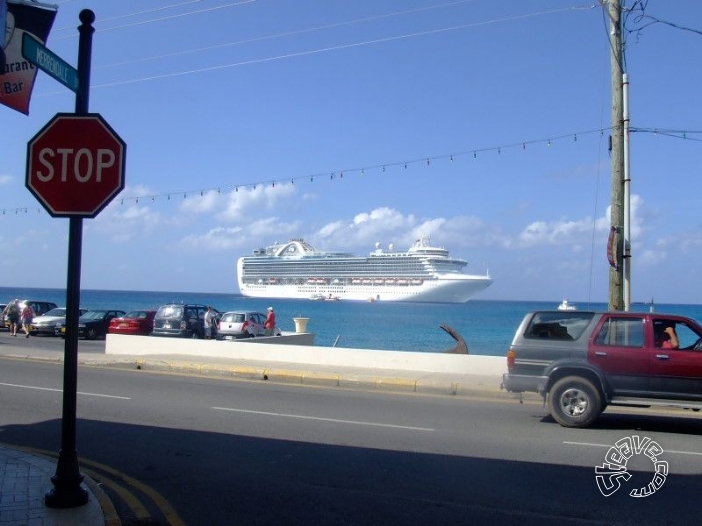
46,323
242,324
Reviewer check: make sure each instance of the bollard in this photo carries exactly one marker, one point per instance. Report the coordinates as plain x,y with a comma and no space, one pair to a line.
301,324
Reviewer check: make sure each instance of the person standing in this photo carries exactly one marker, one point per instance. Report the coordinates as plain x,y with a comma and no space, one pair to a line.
209,321
26,317
13,316
270,322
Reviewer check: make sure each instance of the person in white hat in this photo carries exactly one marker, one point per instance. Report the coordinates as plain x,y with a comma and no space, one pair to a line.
270,322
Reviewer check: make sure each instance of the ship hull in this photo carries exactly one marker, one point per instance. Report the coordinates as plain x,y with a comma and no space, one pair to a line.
441,290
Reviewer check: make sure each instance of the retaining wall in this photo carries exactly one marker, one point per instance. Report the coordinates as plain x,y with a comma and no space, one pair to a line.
298,349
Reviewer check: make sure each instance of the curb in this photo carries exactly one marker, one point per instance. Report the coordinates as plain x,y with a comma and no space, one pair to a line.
457,385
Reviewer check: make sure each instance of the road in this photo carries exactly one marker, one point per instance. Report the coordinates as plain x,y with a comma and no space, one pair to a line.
206,451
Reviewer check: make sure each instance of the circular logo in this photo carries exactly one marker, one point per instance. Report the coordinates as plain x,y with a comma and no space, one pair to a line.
610,474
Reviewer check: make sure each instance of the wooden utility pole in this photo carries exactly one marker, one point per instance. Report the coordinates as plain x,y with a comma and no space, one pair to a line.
616,273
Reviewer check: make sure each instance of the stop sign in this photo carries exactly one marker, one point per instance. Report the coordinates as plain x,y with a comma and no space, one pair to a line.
75,165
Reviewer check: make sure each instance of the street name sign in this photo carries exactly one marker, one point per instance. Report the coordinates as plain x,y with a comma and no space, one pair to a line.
75,165
49,62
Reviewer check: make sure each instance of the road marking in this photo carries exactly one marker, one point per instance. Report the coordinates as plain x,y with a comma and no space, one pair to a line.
589,444
335,420
61,390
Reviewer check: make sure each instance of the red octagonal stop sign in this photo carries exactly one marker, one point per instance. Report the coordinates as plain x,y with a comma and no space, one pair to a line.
75,165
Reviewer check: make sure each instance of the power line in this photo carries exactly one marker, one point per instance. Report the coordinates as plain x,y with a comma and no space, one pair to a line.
286,34
332,48
171,17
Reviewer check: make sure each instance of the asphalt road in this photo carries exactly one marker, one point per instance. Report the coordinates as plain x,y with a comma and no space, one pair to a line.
210,451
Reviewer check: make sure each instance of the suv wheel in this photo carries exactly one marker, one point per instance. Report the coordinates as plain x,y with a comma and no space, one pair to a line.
574,402
90,334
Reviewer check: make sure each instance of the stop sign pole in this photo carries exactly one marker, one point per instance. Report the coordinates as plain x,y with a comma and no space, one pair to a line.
68,491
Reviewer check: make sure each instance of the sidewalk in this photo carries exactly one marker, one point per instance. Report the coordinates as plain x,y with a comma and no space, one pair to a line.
24,480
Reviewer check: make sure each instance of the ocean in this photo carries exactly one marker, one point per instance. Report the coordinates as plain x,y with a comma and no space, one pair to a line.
487,326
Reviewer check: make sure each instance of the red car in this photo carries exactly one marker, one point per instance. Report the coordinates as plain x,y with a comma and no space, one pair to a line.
136,322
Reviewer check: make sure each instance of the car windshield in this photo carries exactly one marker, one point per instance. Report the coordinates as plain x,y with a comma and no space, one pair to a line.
93,315
170,311
56,312
136,314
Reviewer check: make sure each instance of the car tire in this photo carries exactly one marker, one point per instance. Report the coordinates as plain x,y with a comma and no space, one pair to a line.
90,334
574,402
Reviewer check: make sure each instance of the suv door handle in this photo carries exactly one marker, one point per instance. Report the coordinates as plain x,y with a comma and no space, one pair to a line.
662,357
600,353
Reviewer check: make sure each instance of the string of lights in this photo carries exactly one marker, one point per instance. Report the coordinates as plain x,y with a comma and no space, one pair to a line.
474,153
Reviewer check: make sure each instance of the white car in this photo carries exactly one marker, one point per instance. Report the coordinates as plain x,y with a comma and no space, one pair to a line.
242,324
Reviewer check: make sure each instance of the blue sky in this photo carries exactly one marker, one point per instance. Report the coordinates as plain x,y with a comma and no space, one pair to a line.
483,124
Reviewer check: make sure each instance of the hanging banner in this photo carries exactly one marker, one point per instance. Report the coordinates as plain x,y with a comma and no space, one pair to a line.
17,74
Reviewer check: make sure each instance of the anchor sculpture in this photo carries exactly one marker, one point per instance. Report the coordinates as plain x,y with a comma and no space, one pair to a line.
460,347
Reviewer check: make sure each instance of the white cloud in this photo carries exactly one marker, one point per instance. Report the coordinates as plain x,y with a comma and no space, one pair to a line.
577,234
246,236
207,201
247,202
5,179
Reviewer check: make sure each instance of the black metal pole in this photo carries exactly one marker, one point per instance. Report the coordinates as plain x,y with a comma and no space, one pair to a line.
68,491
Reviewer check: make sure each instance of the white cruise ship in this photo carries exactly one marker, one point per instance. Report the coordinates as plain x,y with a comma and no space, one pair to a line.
297,270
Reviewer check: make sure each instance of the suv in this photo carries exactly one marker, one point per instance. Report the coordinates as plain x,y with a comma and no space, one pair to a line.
581,362
242,324
181,320
39,308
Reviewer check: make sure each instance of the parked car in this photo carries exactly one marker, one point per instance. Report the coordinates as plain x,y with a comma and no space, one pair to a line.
181,320
242,324
581,362
136,322
93,324
46,323
2,315
39,308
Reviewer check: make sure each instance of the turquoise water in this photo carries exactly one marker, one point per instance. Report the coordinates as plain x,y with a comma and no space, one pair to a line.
486,326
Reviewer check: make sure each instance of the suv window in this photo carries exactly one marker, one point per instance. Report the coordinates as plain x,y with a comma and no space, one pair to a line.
621,332
170,311
687,336
558,325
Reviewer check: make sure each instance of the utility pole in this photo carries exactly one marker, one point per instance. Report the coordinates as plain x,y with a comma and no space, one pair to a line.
616,272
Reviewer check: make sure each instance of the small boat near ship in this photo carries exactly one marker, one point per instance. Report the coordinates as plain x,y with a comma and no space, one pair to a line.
322,297
565,305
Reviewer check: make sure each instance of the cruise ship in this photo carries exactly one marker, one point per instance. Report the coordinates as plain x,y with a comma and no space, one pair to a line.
296,269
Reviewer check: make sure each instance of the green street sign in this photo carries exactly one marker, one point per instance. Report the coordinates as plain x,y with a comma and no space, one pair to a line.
49,62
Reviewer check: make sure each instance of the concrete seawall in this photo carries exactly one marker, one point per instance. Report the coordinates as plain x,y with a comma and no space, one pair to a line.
298,349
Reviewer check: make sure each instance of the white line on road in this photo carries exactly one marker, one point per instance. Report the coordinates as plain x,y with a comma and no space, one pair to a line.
61,390
302,417
588,444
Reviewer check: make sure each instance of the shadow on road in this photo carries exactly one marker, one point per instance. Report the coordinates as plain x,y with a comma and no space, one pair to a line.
218,478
